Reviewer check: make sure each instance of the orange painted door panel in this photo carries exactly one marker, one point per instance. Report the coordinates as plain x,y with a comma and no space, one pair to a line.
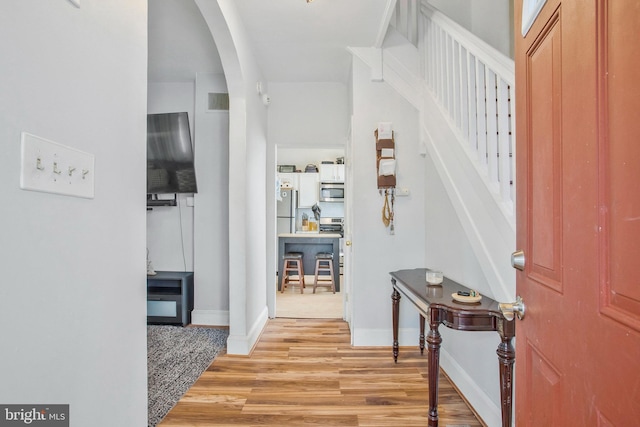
578,214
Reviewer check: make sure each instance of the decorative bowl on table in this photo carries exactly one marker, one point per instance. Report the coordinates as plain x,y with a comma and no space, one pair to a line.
434,277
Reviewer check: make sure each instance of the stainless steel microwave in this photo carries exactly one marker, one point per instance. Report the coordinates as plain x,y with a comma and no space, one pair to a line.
331,192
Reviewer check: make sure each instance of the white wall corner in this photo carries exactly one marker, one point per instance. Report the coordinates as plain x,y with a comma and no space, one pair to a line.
243,344
490,413
210,317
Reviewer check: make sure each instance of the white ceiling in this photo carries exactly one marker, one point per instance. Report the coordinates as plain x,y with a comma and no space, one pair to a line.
293,41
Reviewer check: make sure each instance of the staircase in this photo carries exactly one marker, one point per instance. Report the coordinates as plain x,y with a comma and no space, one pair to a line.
464,90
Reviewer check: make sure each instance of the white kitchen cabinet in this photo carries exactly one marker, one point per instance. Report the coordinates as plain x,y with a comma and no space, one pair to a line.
307,189
288,178
331,173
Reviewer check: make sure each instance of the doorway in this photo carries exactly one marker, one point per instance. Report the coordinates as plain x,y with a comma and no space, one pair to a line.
309,163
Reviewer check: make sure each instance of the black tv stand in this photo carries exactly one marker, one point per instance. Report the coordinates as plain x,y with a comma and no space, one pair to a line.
170,297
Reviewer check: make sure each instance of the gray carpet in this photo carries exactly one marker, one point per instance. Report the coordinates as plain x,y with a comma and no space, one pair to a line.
176,357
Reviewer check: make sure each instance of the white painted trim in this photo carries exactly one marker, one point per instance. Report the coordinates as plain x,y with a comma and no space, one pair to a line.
243,344
210,317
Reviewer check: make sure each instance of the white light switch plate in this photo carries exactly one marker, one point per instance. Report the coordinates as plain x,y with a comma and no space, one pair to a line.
50,167
402,191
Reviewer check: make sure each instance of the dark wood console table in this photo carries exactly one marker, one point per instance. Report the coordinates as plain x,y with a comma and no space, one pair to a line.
436,304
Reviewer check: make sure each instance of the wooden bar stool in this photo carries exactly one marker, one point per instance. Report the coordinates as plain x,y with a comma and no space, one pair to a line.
324,271
293,263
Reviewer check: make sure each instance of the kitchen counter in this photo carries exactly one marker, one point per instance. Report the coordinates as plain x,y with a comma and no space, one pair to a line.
309,244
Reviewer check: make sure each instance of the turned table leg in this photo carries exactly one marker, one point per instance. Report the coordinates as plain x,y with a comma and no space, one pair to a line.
506,357
433,342
421,320
395,304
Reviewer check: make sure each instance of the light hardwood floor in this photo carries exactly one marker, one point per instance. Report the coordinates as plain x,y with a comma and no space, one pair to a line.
324,304
304,372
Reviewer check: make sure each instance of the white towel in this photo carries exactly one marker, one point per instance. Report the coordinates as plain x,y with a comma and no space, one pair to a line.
385,131
387,167
386,152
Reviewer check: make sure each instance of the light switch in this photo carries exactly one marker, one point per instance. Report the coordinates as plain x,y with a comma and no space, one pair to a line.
50,167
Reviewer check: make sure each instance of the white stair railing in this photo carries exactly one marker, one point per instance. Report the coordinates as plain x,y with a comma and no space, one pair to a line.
473,83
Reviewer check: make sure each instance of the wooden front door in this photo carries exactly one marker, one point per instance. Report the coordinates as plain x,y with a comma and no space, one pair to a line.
578,214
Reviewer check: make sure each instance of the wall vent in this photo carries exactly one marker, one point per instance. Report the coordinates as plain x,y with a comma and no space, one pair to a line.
218,102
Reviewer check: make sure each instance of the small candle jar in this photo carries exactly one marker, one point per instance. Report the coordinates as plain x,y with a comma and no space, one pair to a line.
434,277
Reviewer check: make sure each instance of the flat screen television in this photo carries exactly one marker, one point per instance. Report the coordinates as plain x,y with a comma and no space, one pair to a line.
170,165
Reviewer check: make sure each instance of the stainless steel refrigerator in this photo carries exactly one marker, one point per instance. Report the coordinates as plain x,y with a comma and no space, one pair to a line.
286,211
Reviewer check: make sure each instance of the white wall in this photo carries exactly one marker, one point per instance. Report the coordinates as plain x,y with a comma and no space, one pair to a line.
170,228
211,211
375,252
491,20
458,10
308,114
73,298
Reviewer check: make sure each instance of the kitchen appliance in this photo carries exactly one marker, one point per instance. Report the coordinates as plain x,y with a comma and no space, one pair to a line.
331,192
286,211
331,225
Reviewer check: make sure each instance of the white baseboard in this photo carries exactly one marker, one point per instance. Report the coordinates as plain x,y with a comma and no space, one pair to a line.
210,317
243,344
